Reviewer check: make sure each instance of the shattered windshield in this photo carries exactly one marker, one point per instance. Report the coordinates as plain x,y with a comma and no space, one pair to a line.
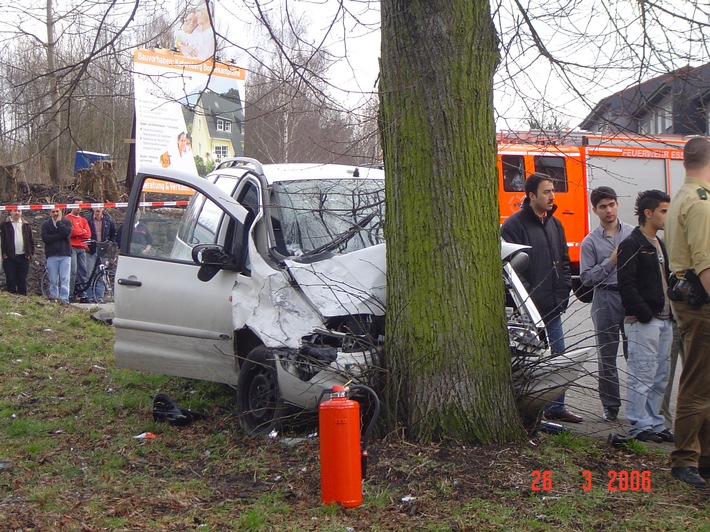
336,215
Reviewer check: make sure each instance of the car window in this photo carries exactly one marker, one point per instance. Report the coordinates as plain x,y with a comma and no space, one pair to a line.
172,219
335,215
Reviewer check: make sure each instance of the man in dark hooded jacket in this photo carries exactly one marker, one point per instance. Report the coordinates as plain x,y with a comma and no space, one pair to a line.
548,277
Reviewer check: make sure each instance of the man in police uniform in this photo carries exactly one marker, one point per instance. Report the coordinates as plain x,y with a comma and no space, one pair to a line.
687,235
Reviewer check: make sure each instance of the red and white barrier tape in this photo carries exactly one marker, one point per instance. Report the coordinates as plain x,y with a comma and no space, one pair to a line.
110,205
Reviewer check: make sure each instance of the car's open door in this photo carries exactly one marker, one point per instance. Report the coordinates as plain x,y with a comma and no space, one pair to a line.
167,320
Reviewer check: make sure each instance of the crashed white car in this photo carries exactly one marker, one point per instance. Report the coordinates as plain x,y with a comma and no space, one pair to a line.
272,279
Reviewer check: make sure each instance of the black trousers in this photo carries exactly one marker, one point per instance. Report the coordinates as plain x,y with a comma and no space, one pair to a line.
16,270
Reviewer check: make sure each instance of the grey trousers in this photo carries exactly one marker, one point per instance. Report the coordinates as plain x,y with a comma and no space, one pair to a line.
608,319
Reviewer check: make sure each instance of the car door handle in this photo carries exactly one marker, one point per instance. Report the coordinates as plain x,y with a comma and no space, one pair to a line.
129,282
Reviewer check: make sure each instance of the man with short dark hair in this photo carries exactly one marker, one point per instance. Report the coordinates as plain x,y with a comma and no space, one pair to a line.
688,235
643,286
57,249
18,246
548,277
102,229
598,269
79,270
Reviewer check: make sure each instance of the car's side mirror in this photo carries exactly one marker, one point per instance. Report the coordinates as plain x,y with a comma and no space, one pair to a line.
212,258
520,262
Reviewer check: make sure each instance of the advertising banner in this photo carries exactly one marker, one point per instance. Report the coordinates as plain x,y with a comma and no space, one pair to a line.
187,109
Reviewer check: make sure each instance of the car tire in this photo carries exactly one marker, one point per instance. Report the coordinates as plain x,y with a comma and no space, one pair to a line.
259,403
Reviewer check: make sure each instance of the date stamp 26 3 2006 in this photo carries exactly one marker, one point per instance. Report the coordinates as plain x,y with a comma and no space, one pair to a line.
617,480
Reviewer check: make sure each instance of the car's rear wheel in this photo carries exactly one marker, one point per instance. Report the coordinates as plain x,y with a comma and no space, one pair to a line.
259,403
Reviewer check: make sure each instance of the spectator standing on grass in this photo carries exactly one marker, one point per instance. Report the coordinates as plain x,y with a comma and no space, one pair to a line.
548,277
688,236
598,269
57,249
79,271
102,229
18,246
643,285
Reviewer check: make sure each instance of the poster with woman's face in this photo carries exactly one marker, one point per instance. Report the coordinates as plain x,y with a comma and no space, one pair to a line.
196,38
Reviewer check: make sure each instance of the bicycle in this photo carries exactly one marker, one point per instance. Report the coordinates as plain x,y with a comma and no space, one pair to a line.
102,275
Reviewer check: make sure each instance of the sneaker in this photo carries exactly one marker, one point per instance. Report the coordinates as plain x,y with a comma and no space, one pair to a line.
666,435
610,414
563,415
689,475
85,300
648,435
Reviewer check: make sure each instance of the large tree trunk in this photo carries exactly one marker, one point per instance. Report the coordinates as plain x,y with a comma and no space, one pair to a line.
447,345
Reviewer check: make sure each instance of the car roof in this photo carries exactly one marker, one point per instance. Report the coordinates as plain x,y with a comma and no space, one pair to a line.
299,171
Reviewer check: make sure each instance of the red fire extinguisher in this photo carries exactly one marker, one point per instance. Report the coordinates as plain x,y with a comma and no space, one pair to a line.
341,470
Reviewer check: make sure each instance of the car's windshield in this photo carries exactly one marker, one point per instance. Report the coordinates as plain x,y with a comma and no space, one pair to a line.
337,215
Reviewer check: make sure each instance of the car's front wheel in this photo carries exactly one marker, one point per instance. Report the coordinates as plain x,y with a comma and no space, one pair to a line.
259,403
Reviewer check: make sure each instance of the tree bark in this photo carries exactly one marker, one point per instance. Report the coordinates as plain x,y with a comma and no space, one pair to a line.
447,344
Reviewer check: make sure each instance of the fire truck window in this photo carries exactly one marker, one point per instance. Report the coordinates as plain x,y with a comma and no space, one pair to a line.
555,168
513,173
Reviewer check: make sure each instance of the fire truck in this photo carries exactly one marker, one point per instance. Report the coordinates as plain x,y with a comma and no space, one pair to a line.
578,162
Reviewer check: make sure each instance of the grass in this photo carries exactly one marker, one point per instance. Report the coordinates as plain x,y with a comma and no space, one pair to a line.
68,418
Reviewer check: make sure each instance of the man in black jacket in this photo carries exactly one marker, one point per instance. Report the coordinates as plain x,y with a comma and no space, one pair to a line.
643,285
57,249
548,277
18,246
102,230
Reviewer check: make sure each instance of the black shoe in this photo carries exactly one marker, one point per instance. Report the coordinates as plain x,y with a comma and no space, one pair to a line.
689,475
85,300
618,440
610,414
648,435
666,435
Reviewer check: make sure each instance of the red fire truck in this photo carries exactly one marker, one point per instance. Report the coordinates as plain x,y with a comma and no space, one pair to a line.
580,162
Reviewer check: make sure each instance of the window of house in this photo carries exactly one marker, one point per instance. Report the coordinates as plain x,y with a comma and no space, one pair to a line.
658,120
555,168
224,125
220,152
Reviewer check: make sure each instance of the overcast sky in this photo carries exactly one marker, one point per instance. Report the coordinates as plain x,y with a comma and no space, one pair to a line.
602,41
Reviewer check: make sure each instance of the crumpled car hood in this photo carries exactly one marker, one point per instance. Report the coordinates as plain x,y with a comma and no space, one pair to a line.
355,283
345,284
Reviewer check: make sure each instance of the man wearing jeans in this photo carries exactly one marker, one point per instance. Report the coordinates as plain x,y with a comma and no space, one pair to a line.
79,270
598,269
643,285
548,276
55,235
102,230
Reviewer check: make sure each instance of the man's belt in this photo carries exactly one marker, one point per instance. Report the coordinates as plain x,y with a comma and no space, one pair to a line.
610,287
